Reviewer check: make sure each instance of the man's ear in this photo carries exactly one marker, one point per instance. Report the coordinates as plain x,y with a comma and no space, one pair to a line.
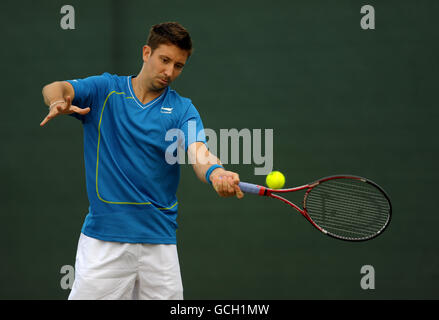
146,52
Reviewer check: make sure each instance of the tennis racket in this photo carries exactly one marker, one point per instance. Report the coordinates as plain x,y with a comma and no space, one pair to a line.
344,207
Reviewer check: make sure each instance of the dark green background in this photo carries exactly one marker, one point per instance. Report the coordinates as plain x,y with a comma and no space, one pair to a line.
340,100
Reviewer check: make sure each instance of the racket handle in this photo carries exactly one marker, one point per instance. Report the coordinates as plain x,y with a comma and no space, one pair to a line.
249,187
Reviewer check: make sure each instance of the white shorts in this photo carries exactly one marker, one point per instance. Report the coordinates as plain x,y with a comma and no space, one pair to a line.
114,270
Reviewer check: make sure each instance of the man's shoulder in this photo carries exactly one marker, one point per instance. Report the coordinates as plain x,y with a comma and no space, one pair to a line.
114,77
175,98
108,77
99,80
113,82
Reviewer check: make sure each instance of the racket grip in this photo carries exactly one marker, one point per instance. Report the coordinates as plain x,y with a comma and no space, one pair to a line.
249,187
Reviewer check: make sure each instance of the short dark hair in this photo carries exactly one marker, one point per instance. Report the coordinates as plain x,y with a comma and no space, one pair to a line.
170,33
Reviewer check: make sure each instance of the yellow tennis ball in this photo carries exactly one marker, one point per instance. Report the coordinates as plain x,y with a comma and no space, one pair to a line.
275,180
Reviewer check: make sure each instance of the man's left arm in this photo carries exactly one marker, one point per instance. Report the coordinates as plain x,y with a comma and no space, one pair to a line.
208,166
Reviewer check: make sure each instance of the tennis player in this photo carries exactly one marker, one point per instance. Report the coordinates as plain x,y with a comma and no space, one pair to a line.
127,247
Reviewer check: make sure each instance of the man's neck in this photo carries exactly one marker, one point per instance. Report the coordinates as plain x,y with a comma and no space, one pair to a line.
141,90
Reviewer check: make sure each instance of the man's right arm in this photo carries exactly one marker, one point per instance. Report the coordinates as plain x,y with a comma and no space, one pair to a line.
58,90
59,96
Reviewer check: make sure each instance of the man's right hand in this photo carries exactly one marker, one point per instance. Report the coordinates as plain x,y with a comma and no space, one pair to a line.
63,107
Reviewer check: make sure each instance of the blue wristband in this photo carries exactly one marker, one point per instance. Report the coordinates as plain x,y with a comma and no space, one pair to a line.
209,171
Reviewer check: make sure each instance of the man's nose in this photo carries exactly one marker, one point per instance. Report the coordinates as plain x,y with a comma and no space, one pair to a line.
168,70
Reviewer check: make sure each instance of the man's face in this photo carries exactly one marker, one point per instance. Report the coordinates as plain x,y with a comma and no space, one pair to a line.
163,65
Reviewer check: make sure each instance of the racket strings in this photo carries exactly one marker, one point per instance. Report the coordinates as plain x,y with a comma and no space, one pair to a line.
348,208
364,213
347,227
342,218
355,190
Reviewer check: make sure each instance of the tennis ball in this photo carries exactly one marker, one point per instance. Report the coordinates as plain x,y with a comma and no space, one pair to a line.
275,180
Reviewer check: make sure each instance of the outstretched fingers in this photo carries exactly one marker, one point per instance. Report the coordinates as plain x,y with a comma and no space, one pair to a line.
45,120
80,110
63,107
53,112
